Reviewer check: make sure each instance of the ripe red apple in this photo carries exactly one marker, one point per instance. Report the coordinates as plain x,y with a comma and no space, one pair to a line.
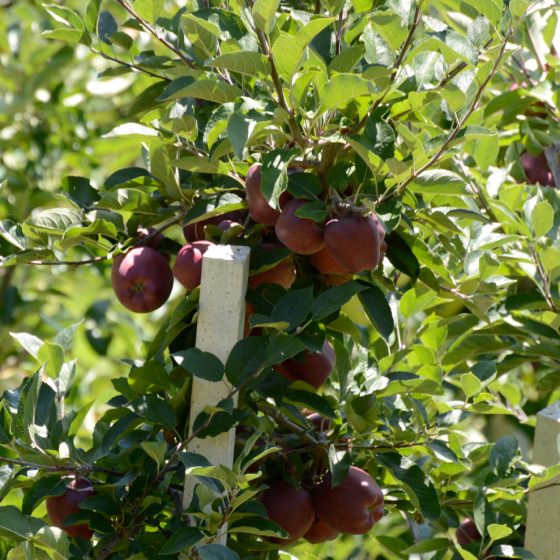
536,169
320,422
354,242
195,232
300,235
325,262
289,507
143,232
467,533
320,532
353,506
60,507
142,279
188,264
259,208
312,367
283,274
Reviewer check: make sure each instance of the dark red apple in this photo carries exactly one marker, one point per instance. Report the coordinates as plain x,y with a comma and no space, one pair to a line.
60,507
536,169
300,235
188,264
325,262
353,506
259,208
467,533
155,239
320,532
283,274
142,279
289,507
195,231
312,367
353,240
320,422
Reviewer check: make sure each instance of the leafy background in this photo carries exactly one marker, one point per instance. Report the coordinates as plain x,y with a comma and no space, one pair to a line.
443,358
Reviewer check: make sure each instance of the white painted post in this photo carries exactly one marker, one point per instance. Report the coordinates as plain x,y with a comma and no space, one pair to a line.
542,537
221,317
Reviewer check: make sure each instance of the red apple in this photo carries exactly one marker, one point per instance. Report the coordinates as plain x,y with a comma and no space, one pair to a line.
283,274
60,507
289,507
312,367
354,242
300,235
259,208
467,533
353,506
320,422
195,231
325,262
188,264
142,279
143,232
536,169
320,532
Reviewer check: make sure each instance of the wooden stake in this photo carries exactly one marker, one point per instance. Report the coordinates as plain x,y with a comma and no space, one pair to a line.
221,317
542,536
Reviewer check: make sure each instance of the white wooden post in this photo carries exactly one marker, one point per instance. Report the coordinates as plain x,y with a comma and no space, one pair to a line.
221,317
542,537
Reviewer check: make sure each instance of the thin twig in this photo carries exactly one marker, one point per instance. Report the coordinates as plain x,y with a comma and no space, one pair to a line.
152,31
129,65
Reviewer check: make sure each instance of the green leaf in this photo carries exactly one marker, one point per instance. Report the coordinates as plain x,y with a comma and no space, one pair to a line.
149,9
542,218
201,33
52,356
378,310
15,525
486,151
470,384
293,307
497,532
315,210
429,545
64,15
347,60
154,410
245,359
201,364
243,62
438,181
204,88
281,347
489,8
29,342
341,89
333,299
264,14
216,552
106,26
54,221
181,540
518,8
131,129
239,129
156,450
42,487
92,13
503,453
12,233
377,50
72,36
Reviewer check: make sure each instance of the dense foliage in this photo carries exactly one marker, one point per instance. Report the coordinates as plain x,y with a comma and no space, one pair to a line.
440,117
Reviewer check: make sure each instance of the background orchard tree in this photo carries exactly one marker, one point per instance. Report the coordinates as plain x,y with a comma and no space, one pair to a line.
130,129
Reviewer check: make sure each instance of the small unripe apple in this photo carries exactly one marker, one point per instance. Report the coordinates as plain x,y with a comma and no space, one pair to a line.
195,231
353,506
60,507
289,507
142,279
354,242
301,235
312,367
467,533
188,264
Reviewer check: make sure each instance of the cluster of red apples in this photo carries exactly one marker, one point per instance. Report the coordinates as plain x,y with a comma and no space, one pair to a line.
351,241
322,513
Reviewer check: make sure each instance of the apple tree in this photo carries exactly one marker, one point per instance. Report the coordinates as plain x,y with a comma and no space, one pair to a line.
392,167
